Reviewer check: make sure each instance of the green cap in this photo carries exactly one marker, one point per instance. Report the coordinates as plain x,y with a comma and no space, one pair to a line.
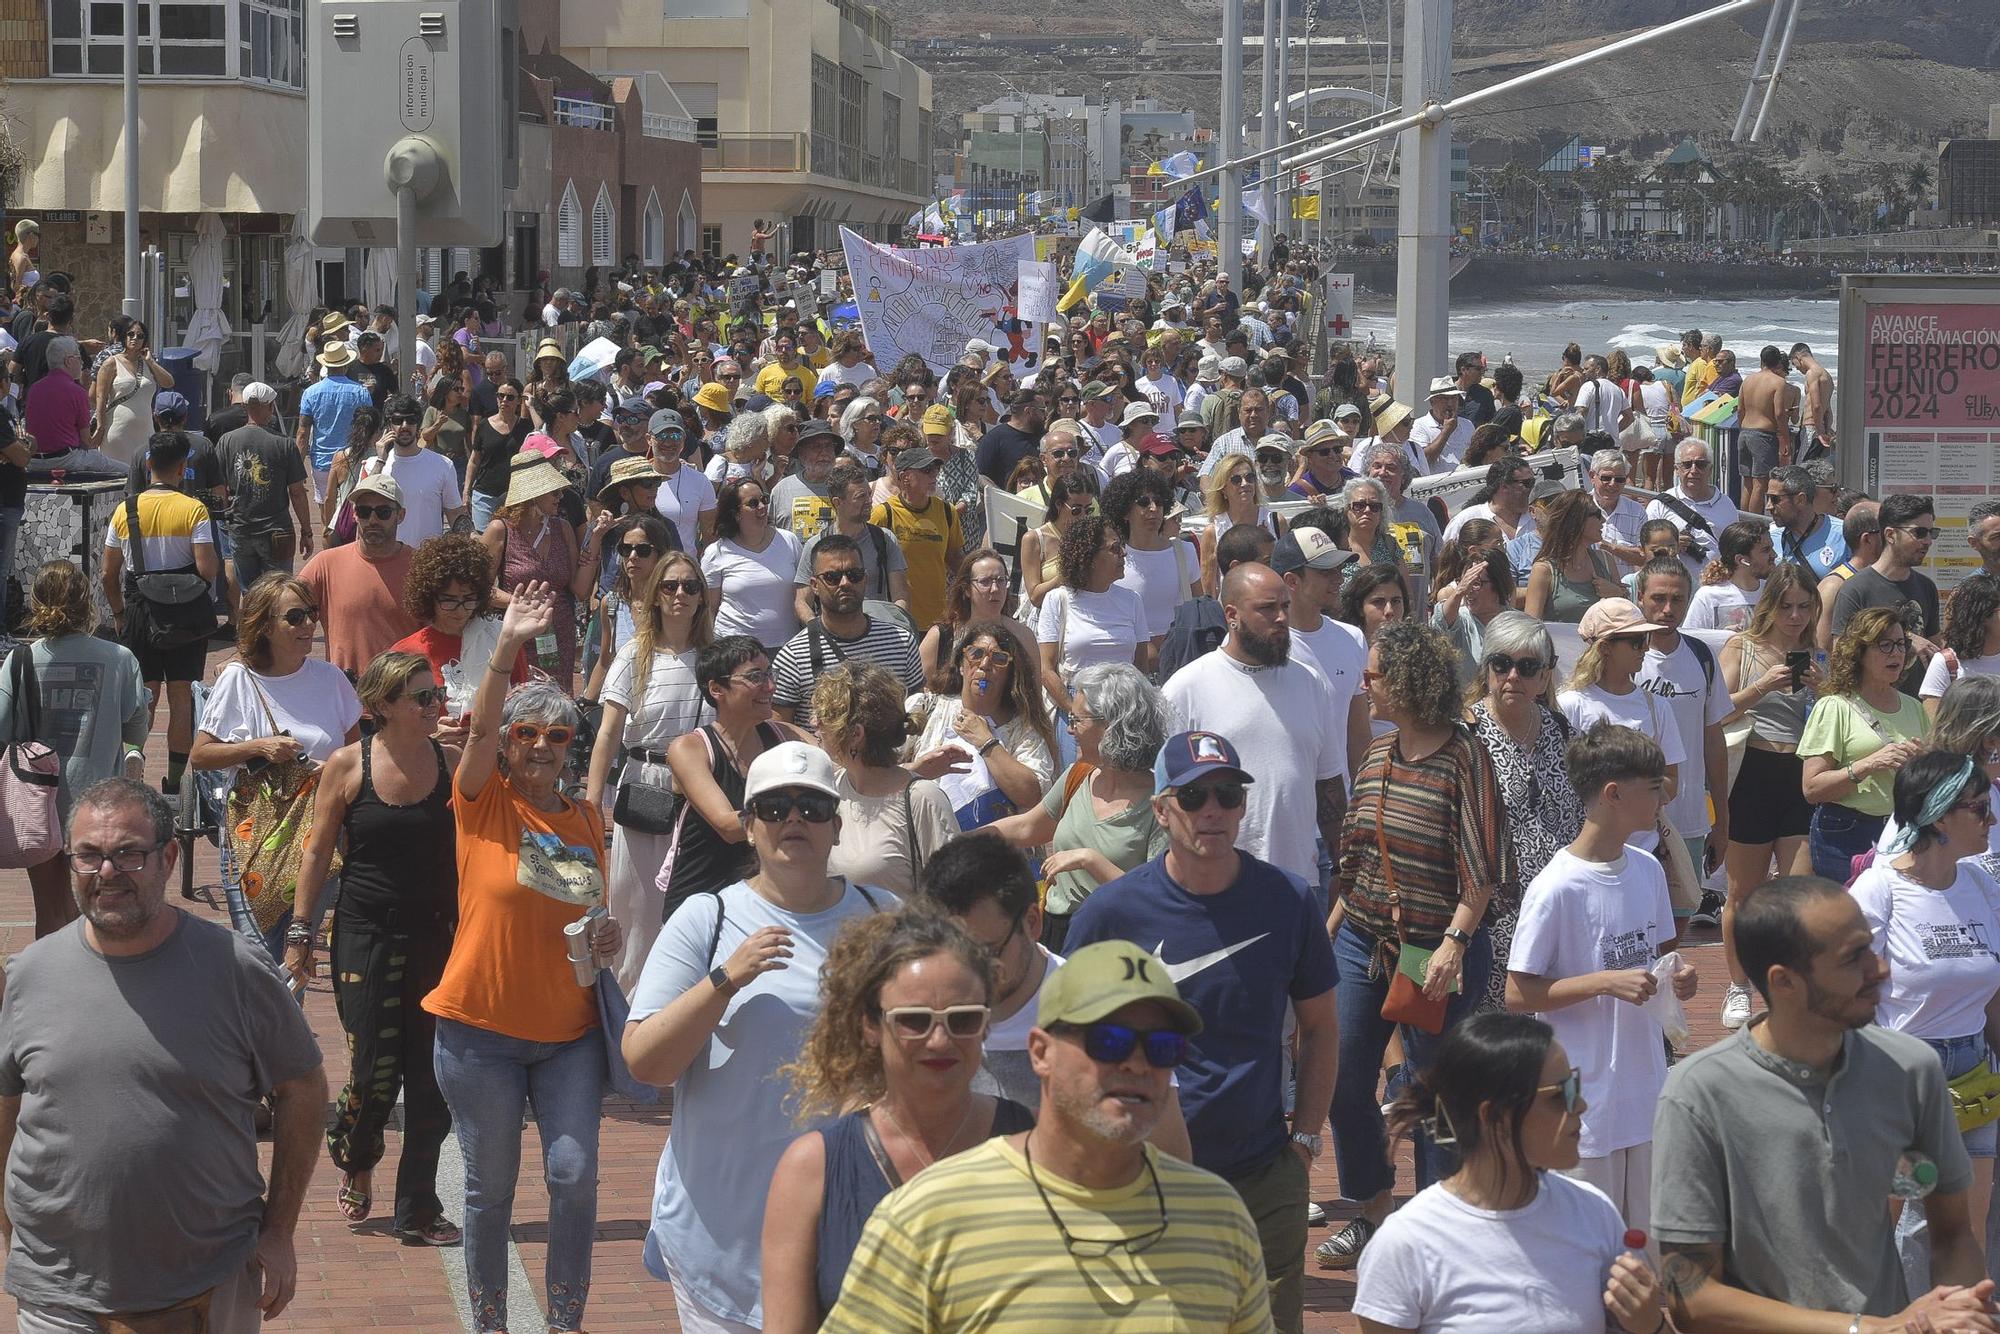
1096,389
1101,979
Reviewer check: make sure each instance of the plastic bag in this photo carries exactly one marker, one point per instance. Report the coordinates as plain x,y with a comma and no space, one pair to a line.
1663,1005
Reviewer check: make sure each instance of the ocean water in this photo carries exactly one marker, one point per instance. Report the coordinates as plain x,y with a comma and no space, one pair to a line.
1534,332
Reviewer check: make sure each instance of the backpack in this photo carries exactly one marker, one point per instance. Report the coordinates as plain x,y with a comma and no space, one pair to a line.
1198,628
1218,412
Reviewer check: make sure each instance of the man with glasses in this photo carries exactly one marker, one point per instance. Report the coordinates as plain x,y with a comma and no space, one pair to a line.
359,587
1805,536
428,482
1908,529
1623,516
850,364
628,423
142,1005
843,631
1322,460
800,500
1021,1231
1694,486
1100,416
1245,941
1062,455
1512,480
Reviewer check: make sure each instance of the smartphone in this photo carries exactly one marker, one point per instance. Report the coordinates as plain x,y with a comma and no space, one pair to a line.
1798,661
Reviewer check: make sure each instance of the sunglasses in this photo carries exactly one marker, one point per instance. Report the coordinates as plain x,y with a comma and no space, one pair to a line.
1611,481
298,616
1693,465
875,417
755,502
1571,1089
405,421
997,657
1981,809
1318,452
1627,641
457,602
507,398
423,699
1501,664
915,1023
642,549
777,807
1076,509
1364,506
688,586
1110,1044
558,735
374,511
731,375
1064,453
1228,795
852,574
1923,534
1243,479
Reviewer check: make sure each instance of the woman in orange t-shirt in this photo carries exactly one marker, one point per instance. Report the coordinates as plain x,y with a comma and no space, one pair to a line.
513,1026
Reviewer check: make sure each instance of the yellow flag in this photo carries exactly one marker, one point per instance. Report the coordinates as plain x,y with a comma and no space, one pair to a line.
1156,170
1078,290
1305,207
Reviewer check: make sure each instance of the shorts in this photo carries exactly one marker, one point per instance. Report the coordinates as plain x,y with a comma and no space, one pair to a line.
1768,801
1760,452
183,662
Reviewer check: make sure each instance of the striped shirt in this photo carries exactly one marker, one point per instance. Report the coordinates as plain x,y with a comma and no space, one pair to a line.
1446,834
815,650
968,1245
171,525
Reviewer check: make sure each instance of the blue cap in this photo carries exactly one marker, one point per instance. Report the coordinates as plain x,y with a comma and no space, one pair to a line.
825,389
167,400
1189,756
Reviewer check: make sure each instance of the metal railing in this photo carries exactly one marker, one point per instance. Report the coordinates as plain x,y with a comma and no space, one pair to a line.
755,152
581,114
659,126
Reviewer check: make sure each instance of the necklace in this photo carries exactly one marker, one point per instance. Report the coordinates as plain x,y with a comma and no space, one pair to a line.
916,1144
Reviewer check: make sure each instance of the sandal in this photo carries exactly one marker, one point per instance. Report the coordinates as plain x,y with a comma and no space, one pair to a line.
354,1202
1343,1249
437,1232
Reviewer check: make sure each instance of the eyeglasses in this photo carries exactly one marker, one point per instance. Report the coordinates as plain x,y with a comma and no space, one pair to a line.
985,657
730,375
688,586
1693,465
298,616
457,601
1069,398
756,676
126,860
423,699
915,1023
666,438
1319,452
641,549
507,398
1891,648
1064,453
1501,664
1922,534
777,807
1626,641
406,421
1243,479
1076,509
1607,479
1109,1044
558,735
754,502
1228,795
1571,1089
1097,1248
374,511
990,584
1364,507
850,574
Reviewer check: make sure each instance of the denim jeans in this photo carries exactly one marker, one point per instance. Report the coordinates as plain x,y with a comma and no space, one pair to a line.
487,1079
1840,834
483,506
1913,1237
253,559
1360,1142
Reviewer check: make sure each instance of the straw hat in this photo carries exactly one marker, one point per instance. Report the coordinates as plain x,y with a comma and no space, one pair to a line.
636,468
1389,414
530,477
551,348
336,355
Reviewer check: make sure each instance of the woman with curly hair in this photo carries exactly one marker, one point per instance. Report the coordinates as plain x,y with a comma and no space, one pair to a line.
893,821
1971,639
1159,568
1861,731
1423,852
1090,617
1570,573
448,590
890,1058
986,701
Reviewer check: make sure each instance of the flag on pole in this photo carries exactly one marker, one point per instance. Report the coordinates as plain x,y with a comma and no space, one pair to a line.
1253,204
1189,209
1305,208
1096,256
1180,166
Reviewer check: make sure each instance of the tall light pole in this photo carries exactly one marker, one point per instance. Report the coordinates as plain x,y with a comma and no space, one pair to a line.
132,289
1423,227
1229,217
1266,194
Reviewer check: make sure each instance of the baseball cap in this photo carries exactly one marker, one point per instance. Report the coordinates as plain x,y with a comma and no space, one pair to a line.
1191,755
666,419
937,420
1546,489
1308,548
1346,411
791,764
1234,367
1613,616
1159,446
980,347
916,457
1277,443
630,411
168,401
379,484
1100,979
1096,389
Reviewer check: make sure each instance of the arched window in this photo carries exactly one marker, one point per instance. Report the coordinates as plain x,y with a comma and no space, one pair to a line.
603,229
689,232
653,231
569,229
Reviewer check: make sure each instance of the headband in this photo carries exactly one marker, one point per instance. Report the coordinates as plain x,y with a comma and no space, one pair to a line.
1937,804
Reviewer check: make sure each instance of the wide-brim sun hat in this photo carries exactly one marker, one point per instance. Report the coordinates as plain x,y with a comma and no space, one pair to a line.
530,477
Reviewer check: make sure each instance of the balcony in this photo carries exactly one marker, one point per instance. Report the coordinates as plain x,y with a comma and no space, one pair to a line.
754,152
577,113
658,126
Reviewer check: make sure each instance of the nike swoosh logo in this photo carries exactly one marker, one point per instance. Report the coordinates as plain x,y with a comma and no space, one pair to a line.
1181,972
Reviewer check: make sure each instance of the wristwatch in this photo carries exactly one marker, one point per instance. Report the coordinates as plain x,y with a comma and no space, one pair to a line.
1462,937
718,977
991,742
1312,1142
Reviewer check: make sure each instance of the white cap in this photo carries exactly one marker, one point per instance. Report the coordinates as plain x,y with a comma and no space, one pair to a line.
259,392
791,764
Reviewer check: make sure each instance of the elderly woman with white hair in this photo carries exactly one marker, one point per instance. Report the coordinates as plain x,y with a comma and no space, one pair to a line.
861,423
757,446
514,1028
1411,523
1365,502
1514,718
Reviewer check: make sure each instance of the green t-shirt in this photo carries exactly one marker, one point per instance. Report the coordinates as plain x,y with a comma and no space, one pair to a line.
1845,728
1128,840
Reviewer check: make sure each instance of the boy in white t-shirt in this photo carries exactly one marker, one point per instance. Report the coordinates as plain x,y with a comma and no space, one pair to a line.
1591,925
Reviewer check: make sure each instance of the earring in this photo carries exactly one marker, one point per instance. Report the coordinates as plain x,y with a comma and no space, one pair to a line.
1440,1129
1942,840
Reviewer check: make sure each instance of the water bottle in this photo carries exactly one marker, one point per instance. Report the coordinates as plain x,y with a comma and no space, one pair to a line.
1916,1176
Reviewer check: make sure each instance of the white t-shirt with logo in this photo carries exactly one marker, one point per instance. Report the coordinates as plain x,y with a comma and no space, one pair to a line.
1581,917
1721,606
1679,681
1940,946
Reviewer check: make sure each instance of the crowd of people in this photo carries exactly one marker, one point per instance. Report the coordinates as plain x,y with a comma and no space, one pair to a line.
1016,909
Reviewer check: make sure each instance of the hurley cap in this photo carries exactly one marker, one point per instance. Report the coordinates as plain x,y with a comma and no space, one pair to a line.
1100,979
1188,756
1308,548
791,764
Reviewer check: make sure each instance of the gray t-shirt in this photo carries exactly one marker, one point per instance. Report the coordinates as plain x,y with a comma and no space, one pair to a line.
133,1183
93,705
876,585
1789,1173
801,506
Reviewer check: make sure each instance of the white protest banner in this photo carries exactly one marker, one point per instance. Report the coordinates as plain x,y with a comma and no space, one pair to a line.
1338,312
931,302
1038,291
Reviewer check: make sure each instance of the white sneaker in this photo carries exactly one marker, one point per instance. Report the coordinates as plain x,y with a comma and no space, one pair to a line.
1735,1006
1315,1214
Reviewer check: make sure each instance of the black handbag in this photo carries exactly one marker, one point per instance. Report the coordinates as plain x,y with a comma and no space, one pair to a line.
645,809
171,607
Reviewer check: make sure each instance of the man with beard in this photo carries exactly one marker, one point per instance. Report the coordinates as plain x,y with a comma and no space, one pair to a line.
358,588
1279,710
1202,902
842,632
1022,1231
139,1005
1758,1223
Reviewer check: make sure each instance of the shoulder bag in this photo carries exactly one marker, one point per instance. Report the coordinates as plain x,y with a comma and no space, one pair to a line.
270,821
165,608
647,808
1407,1002
30,828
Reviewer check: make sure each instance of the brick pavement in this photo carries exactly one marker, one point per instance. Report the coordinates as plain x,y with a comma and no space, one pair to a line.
361,1277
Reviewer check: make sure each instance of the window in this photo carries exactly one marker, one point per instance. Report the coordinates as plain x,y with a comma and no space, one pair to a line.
892,127
258,40
686,232
569,230
853,131
825,118
603,229
653,231
711,242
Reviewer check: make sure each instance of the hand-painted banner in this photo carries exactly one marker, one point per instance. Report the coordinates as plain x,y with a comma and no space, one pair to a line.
931,302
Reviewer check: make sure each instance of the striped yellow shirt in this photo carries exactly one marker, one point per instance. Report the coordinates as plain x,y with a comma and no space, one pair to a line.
967,1245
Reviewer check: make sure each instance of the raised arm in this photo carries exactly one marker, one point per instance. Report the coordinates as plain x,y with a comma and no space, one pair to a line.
531,612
